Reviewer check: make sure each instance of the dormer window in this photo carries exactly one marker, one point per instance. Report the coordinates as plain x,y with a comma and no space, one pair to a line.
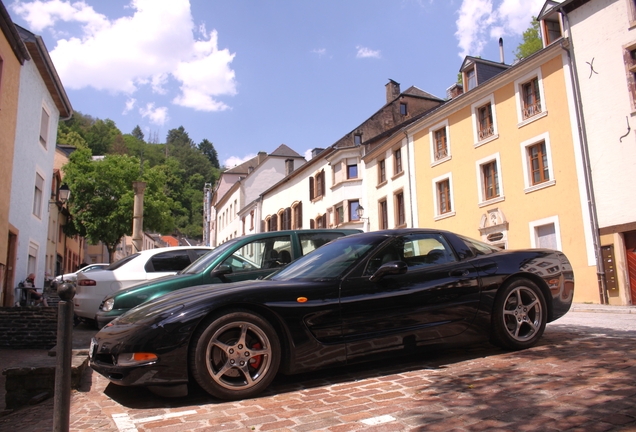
403,109
471,79
357,139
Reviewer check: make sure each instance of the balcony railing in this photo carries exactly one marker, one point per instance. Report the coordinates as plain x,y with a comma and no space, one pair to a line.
441,154
485,132
531,110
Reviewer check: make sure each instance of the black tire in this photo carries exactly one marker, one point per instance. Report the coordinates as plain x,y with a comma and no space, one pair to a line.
519,315
235,355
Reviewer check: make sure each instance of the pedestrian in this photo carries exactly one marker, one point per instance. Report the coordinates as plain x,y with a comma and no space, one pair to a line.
29,284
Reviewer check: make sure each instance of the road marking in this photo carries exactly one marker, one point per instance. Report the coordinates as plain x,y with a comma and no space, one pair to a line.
378,420
125,424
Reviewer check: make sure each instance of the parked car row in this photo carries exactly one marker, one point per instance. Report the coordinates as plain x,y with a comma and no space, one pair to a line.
359,297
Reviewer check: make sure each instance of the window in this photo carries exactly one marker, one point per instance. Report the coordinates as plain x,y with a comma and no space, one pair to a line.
489,180
381,171
531,98
471,79
403,109
353,214
352,171
321,221
631,12
484,120
44,127
37,195
285,217
400,217
441,150
32,259
536,160
484,115
357,139
289,166
260,254
545,233
317,185
298,215
251,220
339,215
629,58
397,156
443,196
312,241
172,261
384,215
272,223
552,29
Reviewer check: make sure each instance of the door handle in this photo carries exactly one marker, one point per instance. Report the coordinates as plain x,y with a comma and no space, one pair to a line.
459,273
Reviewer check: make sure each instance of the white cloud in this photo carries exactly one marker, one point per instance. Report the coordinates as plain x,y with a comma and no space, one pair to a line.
481,21
233,161
320,51
130,104
157,116
123,54
308,154
364,52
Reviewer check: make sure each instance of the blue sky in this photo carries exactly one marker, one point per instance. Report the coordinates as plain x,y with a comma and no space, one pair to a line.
251,75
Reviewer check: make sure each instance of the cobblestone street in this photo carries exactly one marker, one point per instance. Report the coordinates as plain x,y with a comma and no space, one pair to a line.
582,376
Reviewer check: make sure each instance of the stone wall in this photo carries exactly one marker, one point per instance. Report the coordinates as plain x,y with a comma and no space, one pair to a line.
30,327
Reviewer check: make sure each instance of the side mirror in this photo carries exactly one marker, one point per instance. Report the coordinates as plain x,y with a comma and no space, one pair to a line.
221,270
390,268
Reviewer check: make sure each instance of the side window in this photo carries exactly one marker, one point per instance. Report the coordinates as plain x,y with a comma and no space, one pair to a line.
261,254
312,241
172,261
423,250
200,252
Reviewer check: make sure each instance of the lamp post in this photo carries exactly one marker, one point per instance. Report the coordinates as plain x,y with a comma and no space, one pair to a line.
360,213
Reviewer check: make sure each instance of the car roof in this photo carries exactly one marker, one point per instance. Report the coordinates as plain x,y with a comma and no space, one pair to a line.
171,248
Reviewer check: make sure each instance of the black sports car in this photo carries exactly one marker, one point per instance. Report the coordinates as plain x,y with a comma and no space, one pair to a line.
357,298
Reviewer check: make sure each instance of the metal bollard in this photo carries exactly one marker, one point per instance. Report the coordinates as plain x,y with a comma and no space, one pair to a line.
62,397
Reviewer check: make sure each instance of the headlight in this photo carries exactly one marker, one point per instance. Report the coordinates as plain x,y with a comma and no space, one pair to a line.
134,359
108,304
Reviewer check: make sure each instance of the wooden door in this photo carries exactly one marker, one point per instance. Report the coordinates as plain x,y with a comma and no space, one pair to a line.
630,253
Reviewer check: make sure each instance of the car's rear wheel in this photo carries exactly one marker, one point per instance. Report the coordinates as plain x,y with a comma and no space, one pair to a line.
235,355
519,315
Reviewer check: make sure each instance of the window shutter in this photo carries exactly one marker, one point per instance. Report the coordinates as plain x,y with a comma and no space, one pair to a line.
311,188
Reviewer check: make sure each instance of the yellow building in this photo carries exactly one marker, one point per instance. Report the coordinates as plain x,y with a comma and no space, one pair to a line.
502,162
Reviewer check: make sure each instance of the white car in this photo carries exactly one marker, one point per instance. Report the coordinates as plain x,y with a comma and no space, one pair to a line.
72,277
92,287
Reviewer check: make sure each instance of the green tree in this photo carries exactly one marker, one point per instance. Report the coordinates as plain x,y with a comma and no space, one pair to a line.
207,148
101,136
102,197
531,41
137,133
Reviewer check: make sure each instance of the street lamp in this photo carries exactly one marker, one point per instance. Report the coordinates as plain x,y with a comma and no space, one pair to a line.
64,192
360,213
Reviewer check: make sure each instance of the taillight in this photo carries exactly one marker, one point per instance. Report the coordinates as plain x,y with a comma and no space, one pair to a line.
87,282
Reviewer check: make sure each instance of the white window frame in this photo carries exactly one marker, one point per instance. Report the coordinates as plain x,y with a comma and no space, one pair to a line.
480,180
431,133
552,220
473,109
519,98
438,216
525,163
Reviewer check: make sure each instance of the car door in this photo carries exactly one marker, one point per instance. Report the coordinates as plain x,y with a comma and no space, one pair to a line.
257,258
437,297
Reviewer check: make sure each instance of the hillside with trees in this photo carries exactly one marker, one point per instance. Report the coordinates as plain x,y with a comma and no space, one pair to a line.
175,171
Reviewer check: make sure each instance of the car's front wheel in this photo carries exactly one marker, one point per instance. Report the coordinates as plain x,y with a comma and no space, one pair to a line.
519,315
235,355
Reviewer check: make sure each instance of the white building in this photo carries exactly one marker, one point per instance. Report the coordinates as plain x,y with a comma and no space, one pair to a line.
42,101
602,34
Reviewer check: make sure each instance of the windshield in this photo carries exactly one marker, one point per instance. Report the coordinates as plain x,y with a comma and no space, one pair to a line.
202,263
330,261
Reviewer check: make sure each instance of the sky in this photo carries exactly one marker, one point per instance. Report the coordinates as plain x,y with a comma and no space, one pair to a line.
250,75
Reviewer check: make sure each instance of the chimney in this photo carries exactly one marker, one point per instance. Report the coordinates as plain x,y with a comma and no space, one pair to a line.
501,53
455,90
261,157
315,152
392,90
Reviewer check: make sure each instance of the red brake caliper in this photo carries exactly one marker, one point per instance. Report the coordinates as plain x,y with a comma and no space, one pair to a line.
256,361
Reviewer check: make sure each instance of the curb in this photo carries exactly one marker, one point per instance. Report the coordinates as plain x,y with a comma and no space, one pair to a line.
599,308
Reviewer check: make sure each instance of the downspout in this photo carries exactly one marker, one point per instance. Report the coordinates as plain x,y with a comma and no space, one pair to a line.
408,158
591,201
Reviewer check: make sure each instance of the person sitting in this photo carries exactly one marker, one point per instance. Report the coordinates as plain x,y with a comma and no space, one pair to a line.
29,285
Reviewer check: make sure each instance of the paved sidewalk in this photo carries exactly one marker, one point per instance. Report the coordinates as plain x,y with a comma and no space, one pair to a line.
577,379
